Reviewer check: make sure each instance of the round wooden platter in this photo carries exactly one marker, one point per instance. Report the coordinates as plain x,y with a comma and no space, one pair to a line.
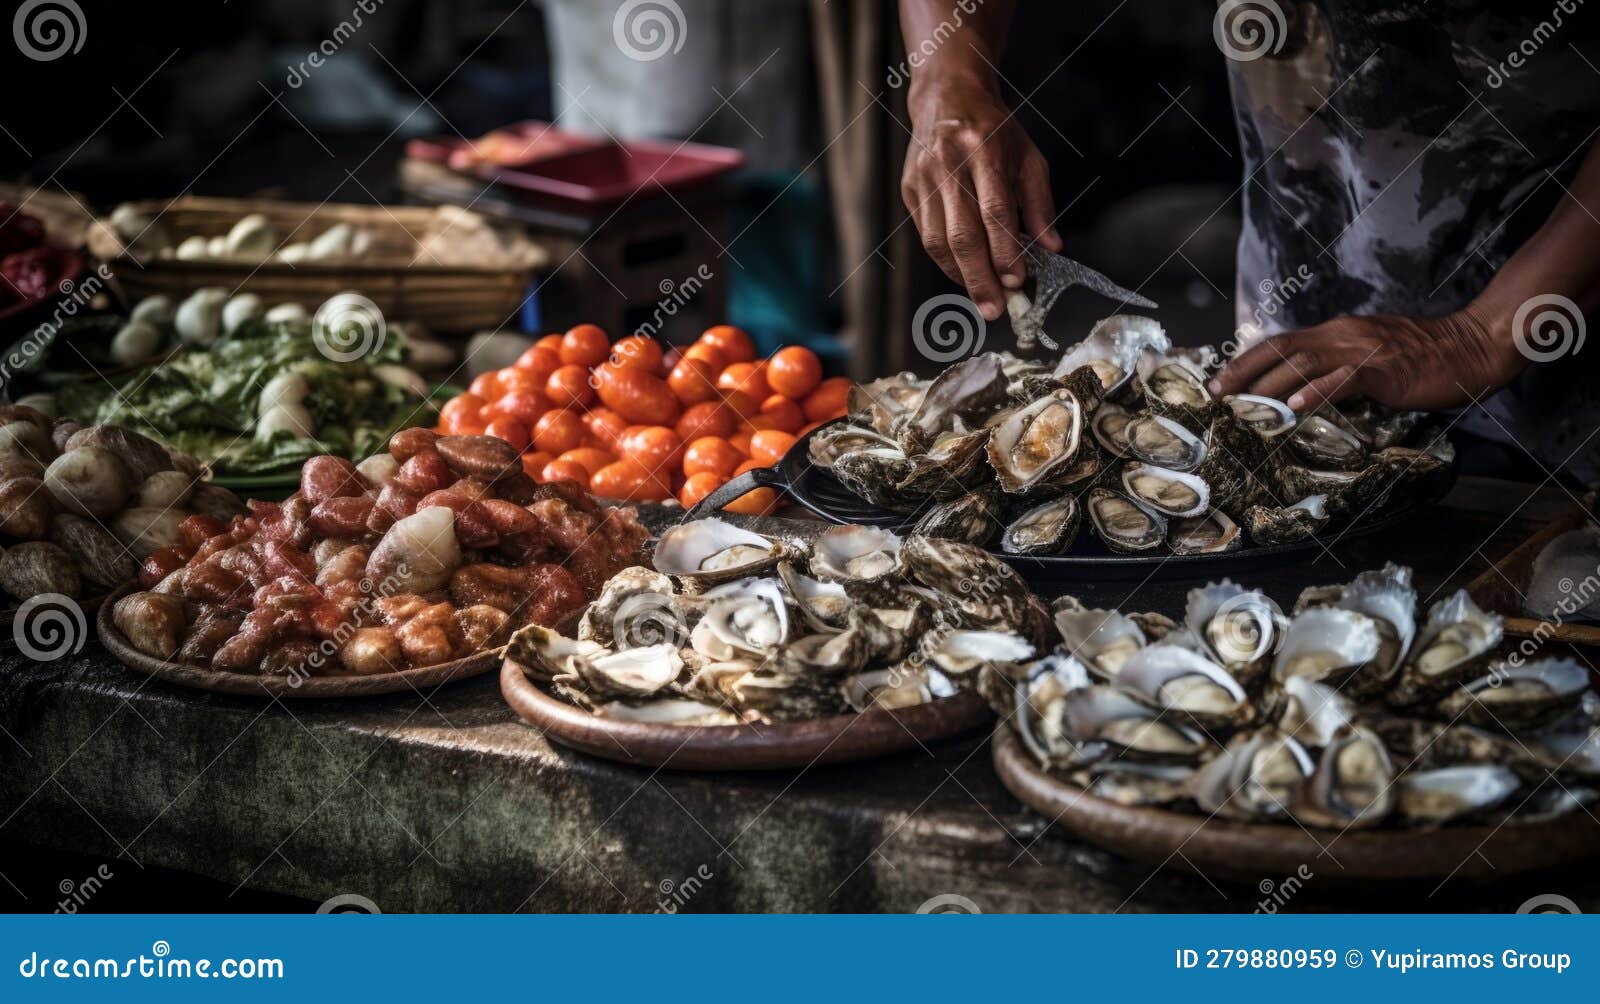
782,746
286,687
1246,851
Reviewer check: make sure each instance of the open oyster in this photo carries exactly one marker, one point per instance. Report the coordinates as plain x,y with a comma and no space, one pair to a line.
1270,524
1176,388
1212,533
1443,794
1352,784
829,445
1124,524
1265,416
1110,428
883,404
1049,528
1128,726
1103,640
1457,639
966,391
708,551
1523,696
1323,444
875,474
1327,645
1171,493
1031,443
1185,683
1241,627
1258,775
1162,442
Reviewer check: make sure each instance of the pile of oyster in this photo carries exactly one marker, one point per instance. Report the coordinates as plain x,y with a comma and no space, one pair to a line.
1123,431
80,507
1353,711
731,626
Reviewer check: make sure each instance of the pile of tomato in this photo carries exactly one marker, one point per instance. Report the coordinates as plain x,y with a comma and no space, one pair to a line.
636,423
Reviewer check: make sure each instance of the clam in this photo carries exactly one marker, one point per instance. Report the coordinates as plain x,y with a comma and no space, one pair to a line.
848,554
1257,775
1127,725
1323,444
1456,639
1049,528
1326,645
1171,493
1124,524
1162,442
1031,443
1270,524
1265,416
1352,784
1181,681
708,551
1212,533
1104,640
1444,794
1523,696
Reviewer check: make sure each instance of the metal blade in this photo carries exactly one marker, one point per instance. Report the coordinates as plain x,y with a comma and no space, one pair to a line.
1055,273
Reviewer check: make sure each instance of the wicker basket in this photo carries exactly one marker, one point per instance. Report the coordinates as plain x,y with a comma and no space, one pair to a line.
446,268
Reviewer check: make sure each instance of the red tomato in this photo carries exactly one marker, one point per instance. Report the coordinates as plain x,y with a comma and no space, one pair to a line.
540,360
585,345
510,430
709,418
784,413
640,397
696,487
605,426
711,455
713,356
742,404
486,385
569,387
735,344
655,446
829,400
768,446
556,432
523,405
748,378
563,470
533,463
794,371
551,342
589,458
628,480
461,408
693,380
639,351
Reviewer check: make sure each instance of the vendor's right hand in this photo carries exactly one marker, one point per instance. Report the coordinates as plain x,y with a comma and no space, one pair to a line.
972,176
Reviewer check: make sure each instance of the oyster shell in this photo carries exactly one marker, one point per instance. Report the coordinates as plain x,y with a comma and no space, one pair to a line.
1162,442
1327,645
1513,697
1457,638
1040,711
1445,794
1125,525
1270,524
959,653
1103,640
1314,714
949,466
875,475
882,404
855,554
828,445
1267,417
1323,444
1127,726
667,711
1240,627
1049,528
1212,533
1176,389
708,551
638,604
825,606
744,619
1034,442
630,673
888,689
1352,785
1183,682
1258,775
969,518
1171,493
966,391
1138,784
1110,428
1385,595
1114,348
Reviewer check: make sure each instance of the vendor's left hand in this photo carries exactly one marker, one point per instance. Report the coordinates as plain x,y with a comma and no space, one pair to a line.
1404,362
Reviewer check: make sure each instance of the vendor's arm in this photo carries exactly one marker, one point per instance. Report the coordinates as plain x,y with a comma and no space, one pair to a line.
974,183
1443,362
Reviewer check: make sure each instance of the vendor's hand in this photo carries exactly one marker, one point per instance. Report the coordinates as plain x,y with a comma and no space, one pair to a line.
1404,362
971,174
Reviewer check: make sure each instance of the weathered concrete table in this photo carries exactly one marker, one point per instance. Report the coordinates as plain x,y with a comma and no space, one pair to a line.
444,801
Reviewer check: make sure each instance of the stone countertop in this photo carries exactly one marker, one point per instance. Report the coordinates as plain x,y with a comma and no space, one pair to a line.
443,801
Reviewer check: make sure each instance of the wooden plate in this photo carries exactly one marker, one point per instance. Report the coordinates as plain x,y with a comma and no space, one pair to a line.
839,739
1500,588
1217,847
190,674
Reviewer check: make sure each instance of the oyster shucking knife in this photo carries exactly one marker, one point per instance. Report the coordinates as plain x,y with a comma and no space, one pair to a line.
1052,275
